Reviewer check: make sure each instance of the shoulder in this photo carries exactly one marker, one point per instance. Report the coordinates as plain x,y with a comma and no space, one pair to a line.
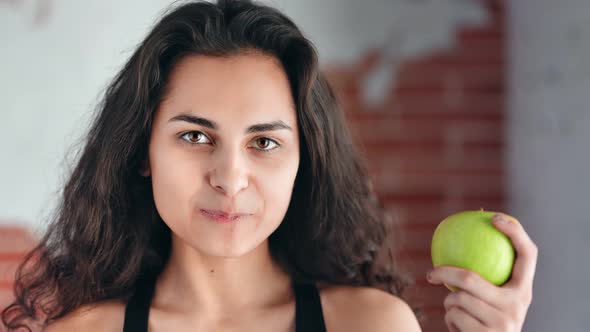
348,308
99,317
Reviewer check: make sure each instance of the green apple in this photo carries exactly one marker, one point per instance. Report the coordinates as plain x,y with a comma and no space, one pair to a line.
469,240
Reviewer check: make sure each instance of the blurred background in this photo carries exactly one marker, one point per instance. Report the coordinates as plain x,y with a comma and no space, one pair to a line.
456,104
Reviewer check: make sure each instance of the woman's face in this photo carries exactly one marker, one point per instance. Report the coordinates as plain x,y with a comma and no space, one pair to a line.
224,152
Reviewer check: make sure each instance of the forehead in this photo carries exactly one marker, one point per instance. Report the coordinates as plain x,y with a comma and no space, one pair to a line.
244,83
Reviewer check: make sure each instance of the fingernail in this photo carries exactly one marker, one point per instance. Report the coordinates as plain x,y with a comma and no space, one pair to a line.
429,276
500,219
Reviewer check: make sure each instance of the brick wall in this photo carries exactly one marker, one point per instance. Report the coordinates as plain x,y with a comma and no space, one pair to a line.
15,241
436,146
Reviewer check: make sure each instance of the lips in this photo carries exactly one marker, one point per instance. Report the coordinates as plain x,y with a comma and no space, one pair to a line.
222,216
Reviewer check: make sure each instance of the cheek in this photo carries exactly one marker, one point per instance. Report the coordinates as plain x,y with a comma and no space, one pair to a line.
175,178
275,183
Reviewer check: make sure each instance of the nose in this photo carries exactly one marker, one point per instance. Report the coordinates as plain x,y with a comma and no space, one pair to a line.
229,174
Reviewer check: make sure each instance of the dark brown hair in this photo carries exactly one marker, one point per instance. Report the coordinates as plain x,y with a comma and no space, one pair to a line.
106,232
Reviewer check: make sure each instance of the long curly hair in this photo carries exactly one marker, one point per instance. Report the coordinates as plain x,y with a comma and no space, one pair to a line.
106,233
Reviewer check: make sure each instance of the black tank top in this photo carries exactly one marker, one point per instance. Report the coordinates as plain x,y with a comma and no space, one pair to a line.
308,308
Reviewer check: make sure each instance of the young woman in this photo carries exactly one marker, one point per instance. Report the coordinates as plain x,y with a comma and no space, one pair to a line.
218,190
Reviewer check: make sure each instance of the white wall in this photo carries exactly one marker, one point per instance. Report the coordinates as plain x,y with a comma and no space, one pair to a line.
549,153
51,75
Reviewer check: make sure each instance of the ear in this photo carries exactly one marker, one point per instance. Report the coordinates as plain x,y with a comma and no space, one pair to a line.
145,169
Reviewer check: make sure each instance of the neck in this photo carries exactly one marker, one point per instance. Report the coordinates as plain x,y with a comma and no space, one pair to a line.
194,282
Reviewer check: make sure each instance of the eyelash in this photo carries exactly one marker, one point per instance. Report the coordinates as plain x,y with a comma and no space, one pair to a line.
187,141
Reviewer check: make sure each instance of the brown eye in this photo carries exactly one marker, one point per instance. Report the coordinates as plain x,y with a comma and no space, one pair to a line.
195,137
266,144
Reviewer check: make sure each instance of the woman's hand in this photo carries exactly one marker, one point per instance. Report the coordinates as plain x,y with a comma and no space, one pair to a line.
480,305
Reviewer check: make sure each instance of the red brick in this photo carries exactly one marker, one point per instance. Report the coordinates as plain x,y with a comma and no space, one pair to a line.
6,297
401,132
434,323
442,89
432,147
483,48
429,300
411,161
475,131
487,202
415,217
475,102
415,213
471,106
446,90
476,105
419,215
456,99
482,33
416,265
472,61
7,271
427,110
14,239
341,79
426,187
417,239
469,55
424,130
428,296
497,6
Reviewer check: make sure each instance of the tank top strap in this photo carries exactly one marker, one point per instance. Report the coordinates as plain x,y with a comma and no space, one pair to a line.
137,309
309,315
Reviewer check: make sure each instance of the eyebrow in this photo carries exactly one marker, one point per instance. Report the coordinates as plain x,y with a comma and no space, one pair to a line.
193,119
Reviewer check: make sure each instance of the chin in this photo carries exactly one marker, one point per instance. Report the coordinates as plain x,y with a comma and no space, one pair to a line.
229,249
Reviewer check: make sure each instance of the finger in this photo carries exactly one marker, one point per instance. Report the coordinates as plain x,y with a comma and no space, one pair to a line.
525,264
462,320
486,314
468,281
